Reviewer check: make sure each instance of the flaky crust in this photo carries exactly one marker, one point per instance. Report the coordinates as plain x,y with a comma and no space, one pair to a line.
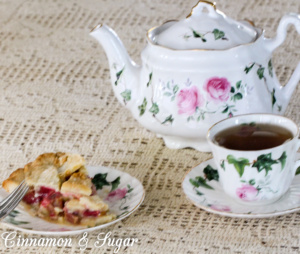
71,163
94,203
51,169
14,180
78,184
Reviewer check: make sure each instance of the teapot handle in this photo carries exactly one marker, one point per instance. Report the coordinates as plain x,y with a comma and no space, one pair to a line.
271,44
286,20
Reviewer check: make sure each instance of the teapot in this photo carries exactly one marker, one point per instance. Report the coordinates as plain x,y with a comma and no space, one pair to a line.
198,71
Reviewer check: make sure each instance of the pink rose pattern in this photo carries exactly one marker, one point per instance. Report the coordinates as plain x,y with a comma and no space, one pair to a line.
188,100
218,89
247,192
116,195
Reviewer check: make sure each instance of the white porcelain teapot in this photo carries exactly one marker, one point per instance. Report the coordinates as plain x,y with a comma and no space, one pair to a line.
198,71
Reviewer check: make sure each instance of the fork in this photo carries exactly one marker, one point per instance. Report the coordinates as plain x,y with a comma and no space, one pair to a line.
13,199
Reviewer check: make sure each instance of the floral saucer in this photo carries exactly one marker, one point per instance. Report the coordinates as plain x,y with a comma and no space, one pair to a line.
209,195
122,192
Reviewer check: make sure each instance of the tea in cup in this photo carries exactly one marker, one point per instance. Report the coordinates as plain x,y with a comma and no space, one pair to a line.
256,156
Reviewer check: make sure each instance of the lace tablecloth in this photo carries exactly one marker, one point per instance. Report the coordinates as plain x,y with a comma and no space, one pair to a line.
56,96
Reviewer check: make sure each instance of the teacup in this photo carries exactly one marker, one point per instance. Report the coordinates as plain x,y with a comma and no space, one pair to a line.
256,177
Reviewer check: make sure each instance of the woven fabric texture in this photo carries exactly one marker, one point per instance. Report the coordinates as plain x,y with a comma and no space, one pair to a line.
56,95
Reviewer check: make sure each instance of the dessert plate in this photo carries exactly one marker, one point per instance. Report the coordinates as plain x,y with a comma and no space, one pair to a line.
122,192
209,196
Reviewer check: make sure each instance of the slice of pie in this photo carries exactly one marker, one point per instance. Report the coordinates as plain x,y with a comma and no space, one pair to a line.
60,190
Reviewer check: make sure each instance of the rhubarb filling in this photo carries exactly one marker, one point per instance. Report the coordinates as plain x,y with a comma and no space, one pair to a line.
60,190
49,203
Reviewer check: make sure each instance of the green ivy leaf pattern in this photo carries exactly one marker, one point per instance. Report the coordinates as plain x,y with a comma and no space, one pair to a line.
297,171
175,89
218,34
282,159
200,182
279,108
260,72
270,68
142,107
150,80
122,213
11,218
154,109
223,165
199,193
198,35
225,110
99,180
248,68
239,163
126,95
129,188
172,91
237,96
229,109
168,119
115,183
273,98
264,162
118,76
211,173
252,182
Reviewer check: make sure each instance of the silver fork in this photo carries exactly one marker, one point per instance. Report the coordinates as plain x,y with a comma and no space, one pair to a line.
13,199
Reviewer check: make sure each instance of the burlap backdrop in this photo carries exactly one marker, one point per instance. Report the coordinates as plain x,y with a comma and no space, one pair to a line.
56,96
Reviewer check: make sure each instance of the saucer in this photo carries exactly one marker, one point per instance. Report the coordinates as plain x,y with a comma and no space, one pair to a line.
209,196
123,201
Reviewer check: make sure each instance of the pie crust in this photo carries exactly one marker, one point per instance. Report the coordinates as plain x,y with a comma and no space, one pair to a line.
60,190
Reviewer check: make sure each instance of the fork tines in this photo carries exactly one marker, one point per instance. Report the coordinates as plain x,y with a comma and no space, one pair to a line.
13,199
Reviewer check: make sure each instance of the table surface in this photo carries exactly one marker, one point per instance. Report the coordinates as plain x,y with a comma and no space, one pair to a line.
56,96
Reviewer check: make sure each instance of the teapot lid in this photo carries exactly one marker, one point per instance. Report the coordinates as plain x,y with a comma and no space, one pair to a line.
203,30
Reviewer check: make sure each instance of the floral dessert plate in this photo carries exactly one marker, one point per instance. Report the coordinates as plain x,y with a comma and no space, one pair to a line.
122,192
202,187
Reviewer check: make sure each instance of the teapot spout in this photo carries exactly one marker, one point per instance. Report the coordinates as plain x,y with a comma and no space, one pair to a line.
124,72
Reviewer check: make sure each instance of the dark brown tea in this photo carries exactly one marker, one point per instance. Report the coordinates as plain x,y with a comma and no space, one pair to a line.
253,136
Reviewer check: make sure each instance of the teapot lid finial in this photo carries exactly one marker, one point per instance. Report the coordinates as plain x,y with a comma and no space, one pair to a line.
201,4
